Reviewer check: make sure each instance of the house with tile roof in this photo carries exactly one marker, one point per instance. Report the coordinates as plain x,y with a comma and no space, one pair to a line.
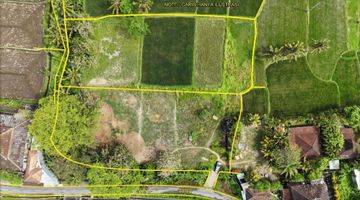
307,139
314,191
252,194
14,141
37,173
350,150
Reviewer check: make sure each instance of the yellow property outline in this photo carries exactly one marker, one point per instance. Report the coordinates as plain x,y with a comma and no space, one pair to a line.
58,88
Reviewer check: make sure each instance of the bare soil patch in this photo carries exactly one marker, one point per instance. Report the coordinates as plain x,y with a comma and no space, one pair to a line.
137,147
134,143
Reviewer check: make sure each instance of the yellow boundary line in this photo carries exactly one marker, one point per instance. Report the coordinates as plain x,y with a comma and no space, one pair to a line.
58,87
149,89
35,49
162,15
132,185
105,195
128,89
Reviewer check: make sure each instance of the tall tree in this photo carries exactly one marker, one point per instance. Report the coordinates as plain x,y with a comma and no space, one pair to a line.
144,6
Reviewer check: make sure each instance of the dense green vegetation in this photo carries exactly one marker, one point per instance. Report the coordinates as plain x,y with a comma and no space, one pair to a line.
75,121
347,76
168,52
97,8
208,52
238,50
332,139
346,185
227,183
285,159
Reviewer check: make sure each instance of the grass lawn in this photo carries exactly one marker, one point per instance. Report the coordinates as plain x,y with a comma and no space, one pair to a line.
294,90
168,6
256,101
208,52
204,7
116,55
246,7
97,8
347,76
353,33
327,21
168,51
238,50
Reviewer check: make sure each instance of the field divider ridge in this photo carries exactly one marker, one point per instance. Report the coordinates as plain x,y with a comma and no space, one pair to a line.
161,15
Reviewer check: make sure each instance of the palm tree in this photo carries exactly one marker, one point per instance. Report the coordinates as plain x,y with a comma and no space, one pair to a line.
120,6
115,6
144,6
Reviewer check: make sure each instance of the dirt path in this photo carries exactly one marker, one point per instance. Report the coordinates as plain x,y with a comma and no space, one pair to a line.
202,148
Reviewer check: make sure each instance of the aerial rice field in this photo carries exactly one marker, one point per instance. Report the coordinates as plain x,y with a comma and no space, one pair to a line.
247,8
257,101
353,29
347,76
327,21
208,52
295,90
168,51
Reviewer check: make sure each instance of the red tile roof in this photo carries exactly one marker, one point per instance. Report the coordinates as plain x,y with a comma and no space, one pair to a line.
309,192
254,195
13,141
307,139
350,150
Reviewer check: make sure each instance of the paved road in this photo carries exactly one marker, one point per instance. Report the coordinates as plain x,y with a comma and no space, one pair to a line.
83,191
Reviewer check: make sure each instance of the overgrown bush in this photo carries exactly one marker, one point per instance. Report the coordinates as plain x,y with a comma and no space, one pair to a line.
352,114
332,139
74,123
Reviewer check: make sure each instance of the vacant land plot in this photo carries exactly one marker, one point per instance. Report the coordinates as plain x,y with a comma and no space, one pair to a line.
171,131
208,52
115,54
238,51
294,90
327,21
246,148
168,52
21,72
256,101
347,76
353,17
